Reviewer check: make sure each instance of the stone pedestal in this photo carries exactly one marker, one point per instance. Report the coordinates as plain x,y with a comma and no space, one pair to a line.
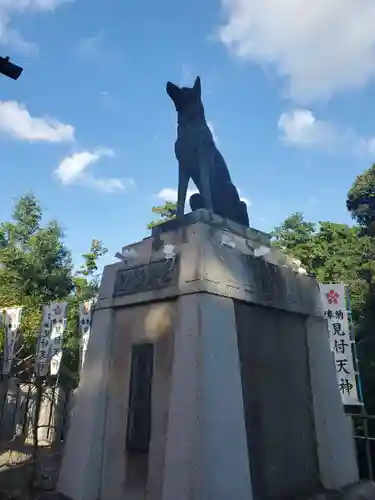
237,394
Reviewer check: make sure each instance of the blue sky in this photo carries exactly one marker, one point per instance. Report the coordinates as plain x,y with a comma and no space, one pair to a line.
90,129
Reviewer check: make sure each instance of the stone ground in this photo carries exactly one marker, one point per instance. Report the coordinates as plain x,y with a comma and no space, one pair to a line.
365,490
17,470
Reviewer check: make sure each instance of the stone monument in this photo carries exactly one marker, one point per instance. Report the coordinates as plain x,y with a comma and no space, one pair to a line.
208,375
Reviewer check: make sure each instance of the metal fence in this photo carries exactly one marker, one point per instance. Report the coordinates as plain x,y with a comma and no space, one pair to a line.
364,437
31,450
17,412
17,417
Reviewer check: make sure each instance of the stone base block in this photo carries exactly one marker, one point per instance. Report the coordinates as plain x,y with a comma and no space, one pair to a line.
364,490
235,395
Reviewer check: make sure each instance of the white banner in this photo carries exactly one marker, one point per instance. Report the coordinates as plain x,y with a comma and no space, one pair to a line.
58,325
44,344
336,313
12,323
85,313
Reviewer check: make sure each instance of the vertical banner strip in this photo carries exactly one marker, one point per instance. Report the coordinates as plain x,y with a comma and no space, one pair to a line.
354,347
58,326
44,344
85,314
333,298
12,320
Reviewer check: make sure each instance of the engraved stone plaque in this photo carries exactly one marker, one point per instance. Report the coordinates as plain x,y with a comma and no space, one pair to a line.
152,276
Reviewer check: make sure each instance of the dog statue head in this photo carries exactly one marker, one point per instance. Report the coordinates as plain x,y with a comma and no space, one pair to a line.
187,100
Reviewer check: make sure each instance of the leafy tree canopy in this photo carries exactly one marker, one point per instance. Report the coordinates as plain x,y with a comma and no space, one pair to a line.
86,286
35,264
361,199
36,269
338,253
334,253
166,212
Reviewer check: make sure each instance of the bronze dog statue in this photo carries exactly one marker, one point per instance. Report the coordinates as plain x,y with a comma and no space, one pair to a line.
200,160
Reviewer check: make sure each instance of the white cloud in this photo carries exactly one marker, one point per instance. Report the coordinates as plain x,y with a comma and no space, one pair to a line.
213,132
8,8
170,194
74,170
244,199
16,121
300,128
72,167
22,5
320,47
110,185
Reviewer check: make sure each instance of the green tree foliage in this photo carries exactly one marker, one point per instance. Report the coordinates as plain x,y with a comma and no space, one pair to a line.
361,203
35,264
337,253
33,256
166,212
361,199
294,237
334,253
86,286
36,269
87,278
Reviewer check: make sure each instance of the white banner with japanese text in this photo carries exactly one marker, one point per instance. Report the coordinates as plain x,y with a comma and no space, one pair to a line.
44,344
334,302
50,342
12,326
58,325
85,312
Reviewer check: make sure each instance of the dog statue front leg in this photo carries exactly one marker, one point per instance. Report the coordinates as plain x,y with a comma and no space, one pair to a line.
206,186
183,182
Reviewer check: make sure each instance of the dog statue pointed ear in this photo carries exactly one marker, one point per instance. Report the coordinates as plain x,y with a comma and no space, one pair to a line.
197,86
173,90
